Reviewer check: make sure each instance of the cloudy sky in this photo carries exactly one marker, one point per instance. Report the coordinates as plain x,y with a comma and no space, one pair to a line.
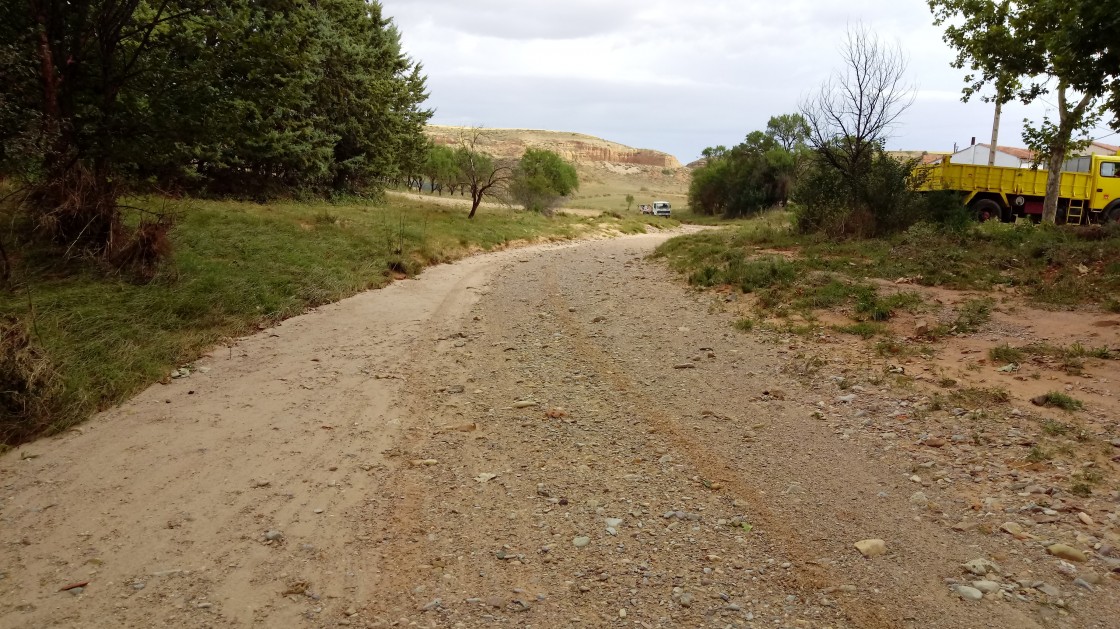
676,76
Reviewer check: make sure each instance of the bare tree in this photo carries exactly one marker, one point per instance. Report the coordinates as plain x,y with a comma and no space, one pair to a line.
481,174
853,112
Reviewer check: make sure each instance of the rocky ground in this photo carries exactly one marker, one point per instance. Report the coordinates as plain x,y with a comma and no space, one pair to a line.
565,437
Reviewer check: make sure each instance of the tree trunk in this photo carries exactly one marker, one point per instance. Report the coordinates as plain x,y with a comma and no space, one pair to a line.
1068,120
1054,181
475,202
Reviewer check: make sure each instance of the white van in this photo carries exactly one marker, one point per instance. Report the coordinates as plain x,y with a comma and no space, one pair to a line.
662,208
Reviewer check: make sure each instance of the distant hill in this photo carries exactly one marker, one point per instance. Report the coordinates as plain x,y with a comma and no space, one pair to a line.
575,147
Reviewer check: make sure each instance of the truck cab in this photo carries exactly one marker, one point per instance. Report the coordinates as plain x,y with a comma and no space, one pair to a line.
662,208
1105,194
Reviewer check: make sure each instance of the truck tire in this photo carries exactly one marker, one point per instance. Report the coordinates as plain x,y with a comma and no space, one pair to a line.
988,210
1111,213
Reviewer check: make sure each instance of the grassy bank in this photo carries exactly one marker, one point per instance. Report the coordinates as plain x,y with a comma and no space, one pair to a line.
101,337
1059,267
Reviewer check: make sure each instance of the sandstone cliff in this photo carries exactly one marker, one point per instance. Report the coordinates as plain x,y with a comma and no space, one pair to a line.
575,147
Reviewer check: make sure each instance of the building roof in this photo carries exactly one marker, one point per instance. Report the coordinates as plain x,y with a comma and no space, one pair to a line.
1023,154
1108,147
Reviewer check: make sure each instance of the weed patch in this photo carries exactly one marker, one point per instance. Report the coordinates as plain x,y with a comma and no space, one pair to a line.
978,397
863,329
1055,399
1006,354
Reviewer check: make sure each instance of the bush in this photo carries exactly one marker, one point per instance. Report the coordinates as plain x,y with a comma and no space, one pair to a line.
29,384
880,203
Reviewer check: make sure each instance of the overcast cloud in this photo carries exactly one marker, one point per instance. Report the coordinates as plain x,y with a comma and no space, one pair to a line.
675,76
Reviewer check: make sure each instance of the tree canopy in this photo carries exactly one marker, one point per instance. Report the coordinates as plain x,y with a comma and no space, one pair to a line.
245,98
541,179
756,174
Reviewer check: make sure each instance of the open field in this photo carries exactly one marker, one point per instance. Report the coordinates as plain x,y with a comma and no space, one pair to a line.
237,267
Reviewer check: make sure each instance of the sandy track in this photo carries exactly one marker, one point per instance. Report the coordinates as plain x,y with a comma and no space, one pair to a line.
446,503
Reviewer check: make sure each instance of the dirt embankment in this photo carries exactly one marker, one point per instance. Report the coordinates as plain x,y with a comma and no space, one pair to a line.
574,147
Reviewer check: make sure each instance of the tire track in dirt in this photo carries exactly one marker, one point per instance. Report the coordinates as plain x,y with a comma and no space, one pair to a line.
808,577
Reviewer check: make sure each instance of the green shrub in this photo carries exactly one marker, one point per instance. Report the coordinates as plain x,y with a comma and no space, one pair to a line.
1006,354
1062,401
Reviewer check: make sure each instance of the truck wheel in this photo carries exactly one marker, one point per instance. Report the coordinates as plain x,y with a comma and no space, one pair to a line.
1112,213
988,210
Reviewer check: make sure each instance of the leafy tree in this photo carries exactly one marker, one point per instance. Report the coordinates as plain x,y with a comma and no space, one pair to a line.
789,130
629,202
440,167
541,179
480,173
1030,49
244,97
754,175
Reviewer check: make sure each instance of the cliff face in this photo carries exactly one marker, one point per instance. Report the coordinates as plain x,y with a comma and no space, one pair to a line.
574,147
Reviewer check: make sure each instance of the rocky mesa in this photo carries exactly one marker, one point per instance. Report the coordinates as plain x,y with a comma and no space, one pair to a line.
575,147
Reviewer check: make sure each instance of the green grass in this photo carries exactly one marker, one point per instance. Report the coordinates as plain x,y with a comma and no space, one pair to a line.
1041,262
972,314
744,325
862,329
236,266
1061,400
1006,354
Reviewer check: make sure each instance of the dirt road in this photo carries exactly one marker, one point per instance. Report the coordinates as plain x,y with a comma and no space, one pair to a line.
562,436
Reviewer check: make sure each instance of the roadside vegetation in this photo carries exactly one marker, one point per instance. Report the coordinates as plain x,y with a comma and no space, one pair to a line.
75,338
1049,265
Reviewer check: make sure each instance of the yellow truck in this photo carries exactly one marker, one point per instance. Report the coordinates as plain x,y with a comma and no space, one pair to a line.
1090,191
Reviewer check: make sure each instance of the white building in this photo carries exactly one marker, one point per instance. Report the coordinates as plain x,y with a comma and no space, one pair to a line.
1005,156
1100,148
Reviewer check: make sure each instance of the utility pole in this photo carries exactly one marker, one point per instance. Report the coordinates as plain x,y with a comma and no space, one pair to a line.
995,130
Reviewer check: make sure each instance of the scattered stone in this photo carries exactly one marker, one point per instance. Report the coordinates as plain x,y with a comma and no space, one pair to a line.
1085,519
871,547
1092,578
1067,568
921,328
485,477
1048,590
934,442
1063,551
273,536
919,498
982,567
456,388
1015,530
431,606
76,591
524,404
986,586
261,483
968,593
1082,583
846,399
684,366
581,541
